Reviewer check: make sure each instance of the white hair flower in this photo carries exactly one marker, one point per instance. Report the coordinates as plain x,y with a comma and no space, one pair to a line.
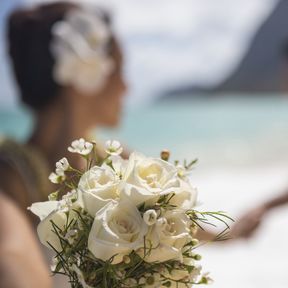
79,46
113,147
80,146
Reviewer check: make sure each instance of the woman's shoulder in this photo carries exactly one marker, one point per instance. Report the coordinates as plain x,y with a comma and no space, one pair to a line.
9,152
18,172
12,183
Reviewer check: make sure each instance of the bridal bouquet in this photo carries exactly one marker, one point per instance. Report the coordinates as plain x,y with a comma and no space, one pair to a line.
123,223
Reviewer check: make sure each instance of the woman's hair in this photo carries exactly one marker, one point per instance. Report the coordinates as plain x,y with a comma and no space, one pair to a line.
29,40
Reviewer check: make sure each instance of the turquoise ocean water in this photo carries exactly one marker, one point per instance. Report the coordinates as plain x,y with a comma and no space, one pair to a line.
222,128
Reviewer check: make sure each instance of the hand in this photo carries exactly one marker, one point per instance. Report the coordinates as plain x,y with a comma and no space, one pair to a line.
246,226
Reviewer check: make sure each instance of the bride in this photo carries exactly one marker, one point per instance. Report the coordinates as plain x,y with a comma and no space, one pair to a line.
68,67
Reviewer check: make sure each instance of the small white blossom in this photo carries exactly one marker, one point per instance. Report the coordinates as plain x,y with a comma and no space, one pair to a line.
64,205
71,236
56,179
182,171
207,278
59,175
67,201
150,217
126,259
71,195
80,146
61,166
113,147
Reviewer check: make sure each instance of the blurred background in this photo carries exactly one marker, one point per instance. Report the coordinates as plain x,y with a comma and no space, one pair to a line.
208,80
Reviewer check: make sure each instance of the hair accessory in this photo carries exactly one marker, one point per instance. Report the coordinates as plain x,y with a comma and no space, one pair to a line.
79,46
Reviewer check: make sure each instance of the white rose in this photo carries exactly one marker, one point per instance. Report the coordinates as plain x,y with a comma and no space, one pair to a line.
118,229
185,196
167,238
48,211
54,211
149,178
43,209
98,186
46,232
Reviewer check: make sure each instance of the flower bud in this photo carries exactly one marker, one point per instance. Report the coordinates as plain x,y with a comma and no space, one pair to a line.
165,154
150,217
197,257
194,242
126,259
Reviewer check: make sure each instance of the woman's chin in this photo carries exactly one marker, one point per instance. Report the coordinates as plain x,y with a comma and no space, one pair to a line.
111,123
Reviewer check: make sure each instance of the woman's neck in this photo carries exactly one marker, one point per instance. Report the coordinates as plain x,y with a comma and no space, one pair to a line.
56,128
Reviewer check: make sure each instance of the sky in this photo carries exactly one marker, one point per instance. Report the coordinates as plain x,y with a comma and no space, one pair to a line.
169,43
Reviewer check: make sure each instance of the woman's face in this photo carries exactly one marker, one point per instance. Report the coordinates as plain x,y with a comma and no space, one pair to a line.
107,105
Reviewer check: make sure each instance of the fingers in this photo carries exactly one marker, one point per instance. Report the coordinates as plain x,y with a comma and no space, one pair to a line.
245,228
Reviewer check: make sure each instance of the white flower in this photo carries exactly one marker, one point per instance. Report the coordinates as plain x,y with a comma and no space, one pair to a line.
59,175
46,231
43,209
55,178
87,74
69,199
182,171
113,147
71,236
53,211
149,178
118,163
47,212
185,196
208,279
118,229
80,146
71,196
167,238
61,166
182,274
98,187
79,48
150,217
